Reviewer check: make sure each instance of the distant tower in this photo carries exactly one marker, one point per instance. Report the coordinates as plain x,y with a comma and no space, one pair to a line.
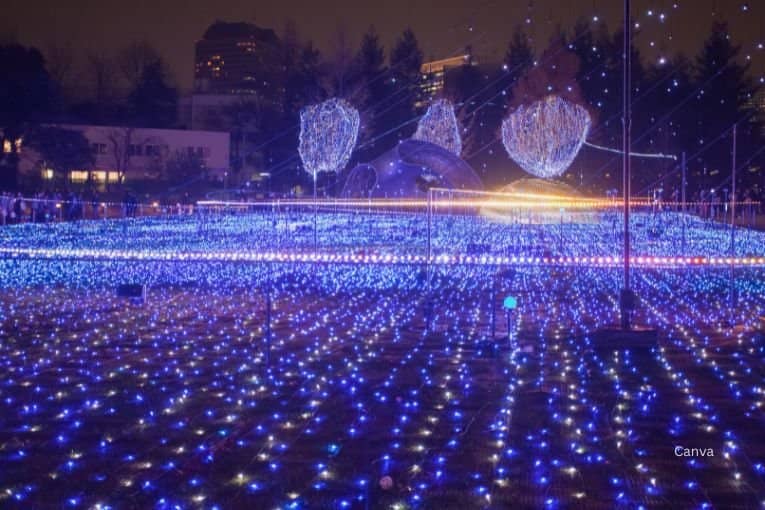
433,76
236,58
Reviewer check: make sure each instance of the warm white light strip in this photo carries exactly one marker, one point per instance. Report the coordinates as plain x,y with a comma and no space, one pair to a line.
349,258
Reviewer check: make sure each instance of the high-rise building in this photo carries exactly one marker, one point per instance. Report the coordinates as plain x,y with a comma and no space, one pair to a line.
757,103
237,58
433,76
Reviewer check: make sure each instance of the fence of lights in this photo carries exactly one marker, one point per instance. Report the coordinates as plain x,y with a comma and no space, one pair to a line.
383,258
328,133
544,137
439,126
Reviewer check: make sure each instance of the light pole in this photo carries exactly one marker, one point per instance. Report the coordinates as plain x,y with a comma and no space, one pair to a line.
683,184
626,302
733,222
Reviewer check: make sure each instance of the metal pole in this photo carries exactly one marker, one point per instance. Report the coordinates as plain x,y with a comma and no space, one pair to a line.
315,214
733,197
268,316
625,312
682,192
429,213
493,307
733,220
428,302
509,326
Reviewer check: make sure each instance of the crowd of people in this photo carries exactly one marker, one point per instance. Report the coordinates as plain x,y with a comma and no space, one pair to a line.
51,206
48,206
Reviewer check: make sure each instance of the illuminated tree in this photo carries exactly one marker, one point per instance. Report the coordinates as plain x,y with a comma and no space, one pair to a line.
439,126
544,137
328,134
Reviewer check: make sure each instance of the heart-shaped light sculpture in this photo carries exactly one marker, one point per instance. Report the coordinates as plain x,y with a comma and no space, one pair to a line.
544,137
328,133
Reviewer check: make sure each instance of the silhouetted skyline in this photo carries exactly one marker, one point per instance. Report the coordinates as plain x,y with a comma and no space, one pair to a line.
174,26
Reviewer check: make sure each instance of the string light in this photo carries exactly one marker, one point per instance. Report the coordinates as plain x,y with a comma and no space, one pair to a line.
173,403
439,126
328,133
544,137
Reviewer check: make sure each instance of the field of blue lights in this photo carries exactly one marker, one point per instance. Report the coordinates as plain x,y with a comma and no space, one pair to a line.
379,385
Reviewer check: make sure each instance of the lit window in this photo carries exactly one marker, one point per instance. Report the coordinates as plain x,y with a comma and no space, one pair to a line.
47,174
78,176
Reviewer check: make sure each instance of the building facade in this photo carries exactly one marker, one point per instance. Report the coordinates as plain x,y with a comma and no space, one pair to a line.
235,58
123,154
434,75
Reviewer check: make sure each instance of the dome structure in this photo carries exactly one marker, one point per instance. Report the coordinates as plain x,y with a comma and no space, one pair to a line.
408,171
542,187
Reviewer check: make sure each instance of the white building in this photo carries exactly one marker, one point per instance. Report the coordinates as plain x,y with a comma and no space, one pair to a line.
125,153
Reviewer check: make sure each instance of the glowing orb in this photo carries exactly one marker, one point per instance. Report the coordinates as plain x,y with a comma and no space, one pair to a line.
328,133
545,137
510,303
439,126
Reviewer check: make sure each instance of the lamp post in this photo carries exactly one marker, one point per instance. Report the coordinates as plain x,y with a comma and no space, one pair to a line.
626,335
732,289
683,184
626,302
315,214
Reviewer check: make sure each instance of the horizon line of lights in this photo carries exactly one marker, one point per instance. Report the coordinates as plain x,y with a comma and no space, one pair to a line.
521,200
530,201
392,259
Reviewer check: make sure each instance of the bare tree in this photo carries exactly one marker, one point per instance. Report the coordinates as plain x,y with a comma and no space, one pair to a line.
134,59
59,61
123,142
101,70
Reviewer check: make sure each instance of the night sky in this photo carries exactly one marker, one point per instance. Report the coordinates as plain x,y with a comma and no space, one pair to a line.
442,27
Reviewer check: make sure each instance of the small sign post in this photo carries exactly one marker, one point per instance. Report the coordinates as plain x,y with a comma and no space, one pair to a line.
510,303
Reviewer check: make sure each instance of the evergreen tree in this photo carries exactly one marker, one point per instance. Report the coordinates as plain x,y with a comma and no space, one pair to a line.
399,115
595,64
661,119
133,60
464,88
60,150
724,89
26,93
600,80
302,88
371,91
481,108
153,103
340,75
555,74
519,58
